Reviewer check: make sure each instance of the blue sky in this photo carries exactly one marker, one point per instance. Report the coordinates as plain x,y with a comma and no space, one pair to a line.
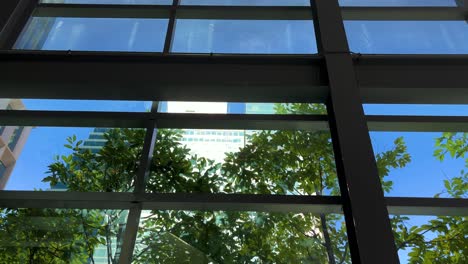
234,36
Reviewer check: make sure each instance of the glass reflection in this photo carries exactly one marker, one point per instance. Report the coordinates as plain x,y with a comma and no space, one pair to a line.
290,162
93,34
78,105
244,36
407,37
61,235
240,237
72,159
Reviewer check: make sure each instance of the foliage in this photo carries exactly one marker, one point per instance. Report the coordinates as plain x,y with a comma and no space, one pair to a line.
271,162
444,238
46,235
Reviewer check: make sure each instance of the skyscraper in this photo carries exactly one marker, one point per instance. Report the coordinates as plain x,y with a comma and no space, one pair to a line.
12,140
209,143
342,53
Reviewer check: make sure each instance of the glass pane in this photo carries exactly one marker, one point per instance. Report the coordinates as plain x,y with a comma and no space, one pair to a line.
76,105
93,34
408,37
240,237
72,159
244,36
244,161
292,162
60,235
397,2
241,108
413,109
112,2
429,239
247,2
421,164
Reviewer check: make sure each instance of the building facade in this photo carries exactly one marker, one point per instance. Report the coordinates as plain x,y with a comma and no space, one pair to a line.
12,141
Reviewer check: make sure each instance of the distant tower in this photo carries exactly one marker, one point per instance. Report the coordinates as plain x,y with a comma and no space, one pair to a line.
12,140
96,140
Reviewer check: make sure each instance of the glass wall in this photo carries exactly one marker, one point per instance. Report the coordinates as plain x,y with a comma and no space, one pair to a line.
93,34
189,167
30,235
236,237
407,37
145,30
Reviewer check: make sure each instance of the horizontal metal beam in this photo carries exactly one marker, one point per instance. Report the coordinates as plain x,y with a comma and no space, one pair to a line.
74,119
233,202
423,79
427,206
418,123
54,199
430,79
225,121
183,12
102,11
245,12
154,77
179,201
402,13
164,120
243,202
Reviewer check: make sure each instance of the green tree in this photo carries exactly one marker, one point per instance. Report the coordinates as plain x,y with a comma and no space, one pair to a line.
48,235
271,162
444,238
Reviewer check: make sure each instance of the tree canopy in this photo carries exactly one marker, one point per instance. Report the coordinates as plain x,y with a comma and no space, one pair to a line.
271,162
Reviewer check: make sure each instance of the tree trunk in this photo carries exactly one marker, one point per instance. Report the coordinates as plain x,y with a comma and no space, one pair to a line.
328,243
32,252
109,245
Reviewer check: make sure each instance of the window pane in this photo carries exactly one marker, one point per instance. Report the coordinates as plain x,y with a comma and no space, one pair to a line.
397,2
413,109
247,2
93,34
431,239
77,105
408,159
244,36
241,108
408,37
289,162
72,159
292,162
239,237
60,235
113,2
2,172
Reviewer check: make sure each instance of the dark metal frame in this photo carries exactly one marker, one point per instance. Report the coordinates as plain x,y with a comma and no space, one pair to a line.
335,76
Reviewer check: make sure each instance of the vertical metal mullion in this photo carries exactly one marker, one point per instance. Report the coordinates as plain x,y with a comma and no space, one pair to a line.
133,219
463,5
7,7
171,27
368,225
16,22
146,157
130,235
